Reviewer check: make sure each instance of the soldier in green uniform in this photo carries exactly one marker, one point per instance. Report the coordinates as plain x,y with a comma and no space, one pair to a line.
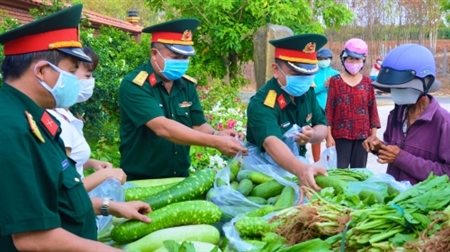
288,99
160,112
43,202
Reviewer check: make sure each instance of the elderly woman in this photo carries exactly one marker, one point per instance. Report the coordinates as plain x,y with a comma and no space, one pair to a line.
417,136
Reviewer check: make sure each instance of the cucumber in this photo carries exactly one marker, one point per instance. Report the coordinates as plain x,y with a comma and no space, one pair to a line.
190,188
255,176
245,187
235,167
138,193
198,246
267,189
254,226
273,200
234,185
286,199
328,181
176,214
155,182
257,200
262,211
154,240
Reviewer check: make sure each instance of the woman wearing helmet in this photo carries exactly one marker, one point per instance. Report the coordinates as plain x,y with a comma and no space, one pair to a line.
417,136
351,108
321,79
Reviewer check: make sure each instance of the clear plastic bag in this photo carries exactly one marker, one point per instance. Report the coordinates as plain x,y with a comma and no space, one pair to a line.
379,183
112,188
230,201
328,158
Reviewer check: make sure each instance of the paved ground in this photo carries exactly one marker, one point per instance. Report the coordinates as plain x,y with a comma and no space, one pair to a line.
385,105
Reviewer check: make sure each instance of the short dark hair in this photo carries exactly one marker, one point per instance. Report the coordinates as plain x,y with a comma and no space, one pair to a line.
279,62
14,66
157,45
89,52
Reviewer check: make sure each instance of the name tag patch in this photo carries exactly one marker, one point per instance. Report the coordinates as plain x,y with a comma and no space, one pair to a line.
65,164
285,125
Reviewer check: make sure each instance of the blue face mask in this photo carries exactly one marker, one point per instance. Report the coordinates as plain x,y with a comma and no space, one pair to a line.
174,69
66,89
297,85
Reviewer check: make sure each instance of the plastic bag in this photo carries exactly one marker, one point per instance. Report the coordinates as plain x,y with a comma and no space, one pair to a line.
233,236
328,158
379,183
112,188
230,201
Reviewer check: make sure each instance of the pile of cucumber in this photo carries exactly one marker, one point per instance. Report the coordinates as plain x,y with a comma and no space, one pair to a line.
179,213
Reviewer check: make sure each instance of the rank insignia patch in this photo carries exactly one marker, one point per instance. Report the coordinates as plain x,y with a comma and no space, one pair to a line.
49,124
281,101
152,79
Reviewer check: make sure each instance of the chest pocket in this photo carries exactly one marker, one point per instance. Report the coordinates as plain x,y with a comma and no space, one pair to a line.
184,116
74,202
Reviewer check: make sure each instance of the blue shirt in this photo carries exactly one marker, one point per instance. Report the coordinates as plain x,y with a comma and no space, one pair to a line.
319,79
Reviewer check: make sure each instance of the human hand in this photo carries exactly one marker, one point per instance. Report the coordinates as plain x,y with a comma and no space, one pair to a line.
327,83
229,146
306,178
387,154
330,141
116,173
98,164
305,136
230,132
130,210
372,143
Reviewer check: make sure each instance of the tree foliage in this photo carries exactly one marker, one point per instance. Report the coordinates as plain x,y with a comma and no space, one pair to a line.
224,38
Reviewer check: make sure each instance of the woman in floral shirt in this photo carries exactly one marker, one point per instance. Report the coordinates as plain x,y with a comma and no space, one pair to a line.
351,108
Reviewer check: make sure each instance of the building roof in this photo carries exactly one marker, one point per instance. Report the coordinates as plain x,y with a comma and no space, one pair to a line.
95,18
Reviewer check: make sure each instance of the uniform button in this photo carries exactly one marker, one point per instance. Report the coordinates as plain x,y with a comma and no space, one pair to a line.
186,113
172,115
77,179
174,172
176,152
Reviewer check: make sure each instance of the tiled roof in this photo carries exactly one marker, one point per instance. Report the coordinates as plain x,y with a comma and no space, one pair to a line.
95,18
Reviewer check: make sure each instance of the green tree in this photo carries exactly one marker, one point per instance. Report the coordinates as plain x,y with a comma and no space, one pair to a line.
445,7
224,39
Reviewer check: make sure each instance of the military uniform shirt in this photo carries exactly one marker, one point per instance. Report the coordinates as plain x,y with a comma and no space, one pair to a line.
144,154
40,188
267,120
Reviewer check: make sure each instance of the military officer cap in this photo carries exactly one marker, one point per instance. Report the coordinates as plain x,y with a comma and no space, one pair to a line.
58,31
176,35
300,51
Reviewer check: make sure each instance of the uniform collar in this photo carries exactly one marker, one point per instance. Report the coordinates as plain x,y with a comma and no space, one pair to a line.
274,85
31,107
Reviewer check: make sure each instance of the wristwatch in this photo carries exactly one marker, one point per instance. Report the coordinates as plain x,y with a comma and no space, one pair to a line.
104,210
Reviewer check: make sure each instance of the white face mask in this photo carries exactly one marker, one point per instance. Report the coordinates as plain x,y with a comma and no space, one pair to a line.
405,96
86,89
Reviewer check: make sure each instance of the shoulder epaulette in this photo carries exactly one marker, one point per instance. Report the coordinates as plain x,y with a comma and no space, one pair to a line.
189,78
140,78
270,98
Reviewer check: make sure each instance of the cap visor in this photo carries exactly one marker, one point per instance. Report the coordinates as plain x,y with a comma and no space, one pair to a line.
303,68
77,53
414,83
186,50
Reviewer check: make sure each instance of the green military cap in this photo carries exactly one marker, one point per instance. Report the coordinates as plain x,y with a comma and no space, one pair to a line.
58,31
300,51
176,35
